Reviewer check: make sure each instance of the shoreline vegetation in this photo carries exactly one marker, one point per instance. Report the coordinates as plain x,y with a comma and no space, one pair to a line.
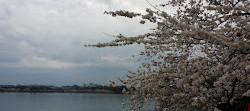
62,89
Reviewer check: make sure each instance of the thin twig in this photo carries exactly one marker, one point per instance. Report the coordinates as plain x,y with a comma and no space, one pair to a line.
153,6
109,35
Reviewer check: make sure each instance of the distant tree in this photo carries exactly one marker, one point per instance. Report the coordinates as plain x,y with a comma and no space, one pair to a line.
199,56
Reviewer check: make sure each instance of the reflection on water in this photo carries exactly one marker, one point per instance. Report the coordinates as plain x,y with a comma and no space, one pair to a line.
61,102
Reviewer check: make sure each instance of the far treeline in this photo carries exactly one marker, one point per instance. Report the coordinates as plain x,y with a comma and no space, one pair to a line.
62,89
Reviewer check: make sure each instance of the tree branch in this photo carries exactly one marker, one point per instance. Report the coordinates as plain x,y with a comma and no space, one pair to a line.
232,92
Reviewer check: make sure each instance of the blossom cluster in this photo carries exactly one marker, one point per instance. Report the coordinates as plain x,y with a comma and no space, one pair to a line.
172,75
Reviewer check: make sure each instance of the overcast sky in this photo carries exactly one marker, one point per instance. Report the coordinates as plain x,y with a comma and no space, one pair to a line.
41,41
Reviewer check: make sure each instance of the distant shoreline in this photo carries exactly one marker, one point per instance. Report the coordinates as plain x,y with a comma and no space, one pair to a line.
1,92
94,92
63,89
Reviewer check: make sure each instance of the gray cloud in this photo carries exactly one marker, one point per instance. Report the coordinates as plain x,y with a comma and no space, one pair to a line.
43,40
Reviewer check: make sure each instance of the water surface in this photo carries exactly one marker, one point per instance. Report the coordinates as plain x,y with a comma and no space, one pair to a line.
62,102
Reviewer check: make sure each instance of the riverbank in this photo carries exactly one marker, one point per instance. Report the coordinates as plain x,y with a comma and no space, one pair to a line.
62,89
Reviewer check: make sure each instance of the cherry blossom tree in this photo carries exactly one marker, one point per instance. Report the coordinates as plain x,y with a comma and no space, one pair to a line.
199,56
